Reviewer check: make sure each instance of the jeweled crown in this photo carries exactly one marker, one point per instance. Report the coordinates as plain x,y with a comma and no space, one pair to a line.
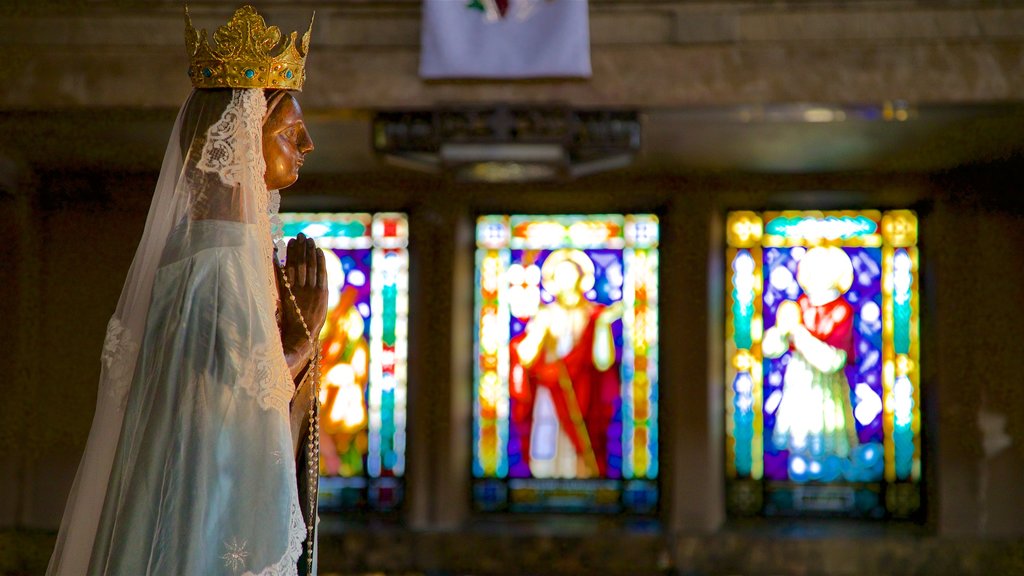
249,54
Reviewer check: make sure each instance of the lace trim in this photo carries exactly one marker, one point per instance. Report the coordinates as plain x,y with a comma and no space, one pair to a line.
267,378
232,149
267,242
120,349
288,564
276,227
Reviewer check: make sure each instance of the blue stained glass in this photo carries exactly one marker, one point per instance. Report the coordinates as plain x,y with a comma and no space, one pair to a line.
744,458
640,496
904,439
835,342
490,495
478,468
743,423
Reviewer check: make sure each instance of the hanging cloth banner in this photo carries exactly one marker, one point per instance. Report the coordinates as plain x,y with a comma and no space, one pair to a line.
505,39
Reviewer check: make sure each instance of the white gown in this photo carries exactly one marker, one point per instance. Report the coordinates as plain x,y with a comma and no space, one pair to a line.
205,452
190,468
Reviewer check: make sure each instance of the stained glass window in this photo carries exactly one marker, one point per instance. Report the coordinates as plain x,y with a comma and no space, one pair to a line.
363,388
565,396
822,368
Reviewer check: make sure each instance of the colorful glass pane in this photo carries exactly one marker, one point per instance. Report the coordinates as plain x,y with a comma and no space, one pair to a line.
566,380
823,389
363,388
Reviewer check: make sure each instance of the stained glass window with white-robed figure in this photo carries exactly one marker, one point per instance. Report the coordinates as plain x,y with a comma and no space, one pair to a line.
823,372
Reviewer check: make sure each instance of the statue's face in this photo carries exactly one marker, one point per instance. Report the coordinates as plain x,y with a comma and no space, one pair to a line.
285,143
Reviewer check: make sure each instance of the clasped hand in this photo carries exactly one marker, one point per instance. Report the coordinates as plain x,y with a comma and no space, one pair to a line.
307,277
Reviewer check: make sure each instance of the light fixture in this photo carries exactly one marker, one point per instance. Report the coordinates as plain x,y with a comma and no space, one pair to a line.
508,143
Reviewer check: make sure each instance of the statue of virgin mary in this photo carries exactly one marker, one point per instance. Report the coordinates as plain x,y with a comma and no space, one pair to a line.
196,463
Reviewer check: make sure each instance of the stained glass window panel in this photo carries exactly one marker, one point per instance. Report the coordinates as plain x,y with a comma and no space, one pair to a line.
822,374
565,402
363,388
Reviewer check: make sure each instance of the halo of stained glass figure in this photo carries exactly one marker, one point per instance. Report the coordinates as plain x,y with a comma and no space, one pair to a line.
822,363
565,394
364,351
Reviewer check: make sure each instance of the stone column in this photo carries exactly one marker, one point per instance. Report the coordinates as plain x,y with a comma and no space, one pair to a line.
420,447
691,368
452,345
951,242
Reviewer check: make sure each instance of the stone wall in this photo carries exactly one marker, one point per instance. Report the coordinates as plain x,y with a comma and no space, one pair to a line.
646,53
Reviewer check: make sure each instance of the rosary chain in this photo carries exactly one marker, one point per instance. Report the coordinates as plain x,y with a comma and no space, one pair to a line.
313,446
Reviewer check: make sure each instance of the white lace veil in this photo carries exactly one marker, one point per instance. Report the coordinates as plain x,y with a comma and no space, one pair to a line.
188,467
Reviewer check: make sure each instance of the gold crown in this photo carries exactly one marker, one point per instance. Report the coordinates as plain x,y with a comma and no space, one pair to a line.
243,56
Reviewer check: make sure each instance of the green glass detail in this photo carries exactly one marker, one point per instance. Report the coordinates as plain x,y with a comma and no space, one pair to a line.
389,295
843,228
349,229
742,315
901,309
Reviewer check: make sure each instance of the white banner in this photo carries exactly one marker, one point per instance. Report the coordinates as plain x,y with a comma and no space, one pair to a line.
505,39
